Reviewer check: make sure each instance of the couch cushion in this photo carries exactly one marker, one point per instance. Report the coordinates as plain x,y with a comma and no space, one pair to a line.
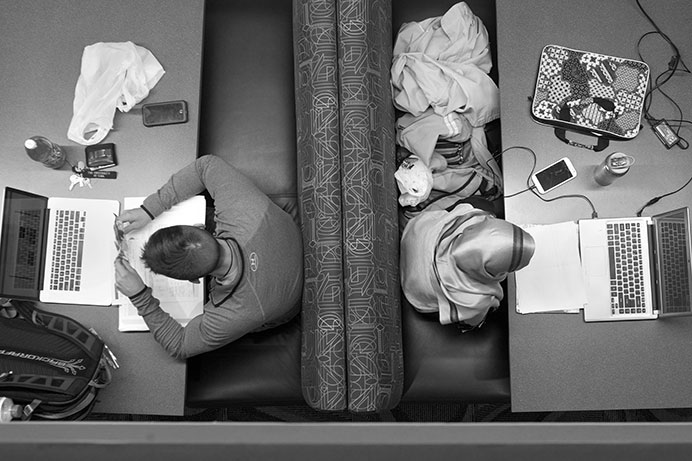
319,159
247,113
260,369
443,364
371,247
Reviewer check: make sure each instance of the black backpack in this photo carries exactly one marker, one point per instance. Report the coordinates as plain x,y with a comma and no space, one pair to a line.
51,366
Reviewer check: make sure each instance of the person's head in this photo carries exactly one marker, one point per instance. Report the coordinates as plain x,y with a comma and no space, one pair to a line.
181,252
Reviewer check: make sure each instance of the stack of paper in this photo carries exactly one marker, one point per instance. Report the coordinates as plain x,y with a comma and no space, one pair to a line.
553,280
183,300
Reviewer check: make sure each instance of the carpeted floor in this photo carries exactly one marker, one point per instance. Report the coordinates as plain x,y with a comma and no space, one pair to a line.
411,413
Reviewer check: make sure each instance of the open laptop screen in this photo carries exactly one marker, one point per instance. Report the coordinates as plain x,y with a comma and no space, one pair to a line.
673,261
22,242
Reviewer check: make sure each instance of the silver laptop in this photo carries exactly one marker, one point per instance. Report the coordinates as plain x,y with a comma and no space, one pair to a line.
57,250
637,268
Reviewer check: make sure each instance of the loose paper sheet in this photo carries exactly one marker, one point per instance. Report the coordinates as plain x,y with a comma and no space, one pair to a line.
183,300
553,281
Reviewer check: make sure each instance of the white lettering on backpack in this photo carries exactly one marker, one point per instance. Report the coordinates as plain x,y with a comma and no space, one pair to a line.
68,366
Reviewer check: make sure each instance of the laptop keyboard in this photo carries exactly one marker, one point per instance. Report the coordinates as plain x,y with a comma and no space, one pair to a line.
626,268
675,278
68,245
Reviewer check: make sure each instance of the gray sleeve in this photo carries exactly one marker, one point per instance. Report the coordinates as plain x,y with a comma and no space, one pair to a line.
216,327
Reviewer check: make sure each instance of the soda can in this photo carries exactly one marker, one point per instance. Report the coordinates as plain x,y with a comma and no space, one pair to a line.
612,167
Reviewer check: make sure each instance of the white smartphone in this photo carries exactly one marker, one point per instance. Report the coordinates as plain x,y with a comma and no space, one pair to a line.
554,175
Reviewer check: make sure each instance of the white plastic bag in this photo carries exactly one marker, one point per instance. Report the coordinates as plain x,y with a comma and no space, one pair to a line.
415,181
113,75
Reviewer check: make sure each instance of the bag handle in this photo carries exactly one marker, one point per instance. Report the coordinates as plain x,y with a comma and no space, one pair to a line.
63,326
600,145
561,133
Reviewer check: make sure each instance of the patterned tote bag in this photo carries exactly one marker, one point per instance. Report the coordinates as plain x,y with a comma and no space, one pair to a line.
589,93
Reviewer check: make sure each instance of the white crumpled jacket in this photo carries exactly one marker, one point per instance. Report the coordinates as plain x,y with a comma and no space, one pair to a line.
443,63
453,262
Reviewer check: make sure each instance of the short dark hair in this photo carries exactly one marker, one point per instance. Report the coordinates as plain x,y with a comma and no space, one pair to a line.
181,252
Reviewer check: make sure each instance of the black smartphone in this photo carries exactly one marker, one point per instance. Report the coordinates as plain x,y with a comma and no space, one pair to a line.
164,113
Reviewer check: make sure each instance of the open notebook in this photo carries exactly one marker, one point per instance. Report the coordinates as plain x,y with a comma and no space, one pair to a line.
553,280
183,300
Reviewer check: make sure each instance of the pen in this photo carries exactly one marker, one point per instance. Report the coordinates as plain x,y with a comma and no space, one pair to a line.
119,238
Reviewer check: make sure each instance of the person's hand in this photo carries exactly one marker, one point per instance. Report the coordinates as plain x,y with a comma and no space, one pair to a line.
131,220
127,280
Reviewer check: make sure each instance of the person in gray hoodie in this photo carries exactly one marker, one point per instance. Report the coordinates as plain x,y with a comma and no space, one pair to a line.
253,260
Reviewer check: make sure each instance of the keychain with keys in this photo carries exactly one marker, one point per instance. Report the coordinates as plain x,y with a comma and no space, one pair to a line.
82,175
78,176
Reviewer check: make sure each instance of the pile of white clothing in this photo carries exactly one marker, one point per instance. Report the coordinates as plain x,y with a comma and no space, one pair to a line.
440,80
453,262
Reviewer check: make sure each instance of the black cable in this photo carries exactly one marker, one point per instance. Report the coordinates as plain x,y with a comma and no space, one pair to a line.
532,188
519,193
678,121
658,30
656,199
594,214
675,65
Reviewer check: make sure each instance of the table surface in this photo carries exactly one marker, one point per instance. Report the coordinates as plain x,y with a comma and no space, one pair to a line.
41,49
557,361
